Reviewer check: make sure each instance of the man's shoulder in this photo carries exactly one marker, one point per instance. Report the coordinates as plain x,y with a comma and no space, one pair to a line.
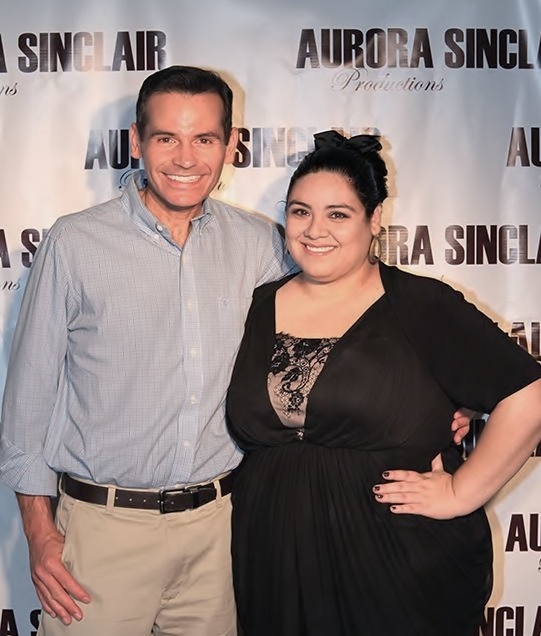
87,216
233,215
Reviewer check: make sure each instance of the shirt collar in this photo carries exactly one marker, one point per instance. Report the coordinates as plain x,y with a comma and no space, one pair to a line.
142,216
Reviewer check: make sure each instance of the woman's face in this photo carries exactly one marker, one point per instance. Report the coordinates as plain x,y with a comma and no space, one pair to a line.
327,231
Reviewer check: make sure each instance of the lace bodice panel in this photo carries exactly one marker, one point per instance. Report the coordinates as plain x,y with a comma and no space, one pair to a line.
296,363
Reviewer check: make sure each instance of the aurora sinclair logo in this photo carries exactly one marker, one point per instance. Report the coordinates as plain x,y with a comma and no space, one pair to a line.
524,147
258,147
398,55
463,245
84,51
524,150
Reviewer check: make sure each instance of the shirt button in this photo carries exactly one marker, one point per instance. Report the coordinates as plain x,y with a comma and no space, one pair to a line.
193,399
193,352
159,228
189,304
300,433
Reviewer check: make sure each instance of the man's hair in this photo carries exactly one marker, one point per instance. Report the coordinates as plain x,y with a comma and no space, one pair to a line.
185,79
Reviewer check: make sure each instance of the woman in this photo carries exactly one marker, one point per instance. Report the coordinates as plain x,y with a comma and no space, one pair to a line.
344,372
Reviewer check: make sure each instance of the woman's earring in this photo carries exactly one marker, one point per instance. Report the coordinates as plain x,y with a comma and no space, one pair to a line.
374,251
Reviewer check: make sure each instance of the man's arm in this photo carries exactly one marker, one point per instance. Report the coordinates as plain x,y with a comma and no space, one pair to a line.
37,356
275,261
461,424
55,587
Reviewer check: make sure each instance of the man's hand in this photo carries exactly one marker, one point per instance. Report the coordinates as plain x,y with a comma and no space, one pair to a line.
461,424
57,590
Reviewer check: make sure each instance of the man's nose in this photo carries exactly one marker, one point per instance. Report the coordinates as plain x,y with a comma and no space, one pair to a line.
184,155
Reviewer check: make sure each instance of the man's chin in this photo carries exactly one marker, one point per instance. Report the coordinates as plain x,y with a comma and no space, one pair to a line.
175,205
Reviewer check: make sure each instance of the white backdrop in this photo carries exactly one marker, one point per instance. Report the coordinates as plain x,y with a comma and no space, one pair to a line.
453,88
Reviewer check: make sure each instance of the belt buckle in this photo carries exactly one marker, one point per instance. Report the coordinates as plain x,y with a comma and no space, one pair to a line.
187,490
162,498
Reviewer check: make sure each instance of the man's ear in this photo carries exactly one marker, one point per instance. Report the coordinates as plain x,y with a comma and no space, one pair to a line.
231,146
135,142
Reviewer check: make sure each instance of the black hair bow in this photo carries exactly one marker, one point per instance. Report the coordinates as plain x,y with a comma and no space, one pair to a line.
333,139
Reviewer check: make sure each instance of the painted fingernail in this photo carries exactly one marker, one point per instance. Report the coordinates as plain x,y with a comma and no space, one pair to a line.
385,473
376,488
379,496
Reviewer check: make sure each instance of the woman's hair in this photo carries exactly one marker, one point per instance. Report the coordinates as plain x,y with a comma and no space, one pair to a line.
357,159
185,79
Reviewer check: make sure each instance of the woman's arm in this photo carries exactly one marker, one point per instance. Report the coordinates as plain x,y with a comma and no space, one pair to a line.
509,437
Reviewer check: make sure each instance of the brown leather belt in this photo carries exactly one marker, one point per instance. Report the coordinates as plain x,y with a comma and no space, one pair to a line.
165,500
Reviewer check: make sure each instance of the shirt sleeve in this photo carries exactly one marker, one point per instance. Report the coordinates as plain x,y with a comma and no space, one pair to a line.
275,261
474,361
35,366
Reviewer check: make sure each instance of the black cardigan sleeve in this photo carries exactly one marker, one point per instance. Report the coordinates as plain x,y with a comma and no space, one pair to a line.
473,360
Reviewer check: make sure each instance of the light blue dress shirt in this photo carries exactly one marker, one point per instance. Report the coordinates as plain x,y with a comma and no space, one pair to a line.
125,344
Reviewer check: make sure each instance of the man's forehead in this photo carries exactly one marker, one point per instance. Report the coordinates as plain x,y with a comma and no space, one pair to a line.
209,99
201,111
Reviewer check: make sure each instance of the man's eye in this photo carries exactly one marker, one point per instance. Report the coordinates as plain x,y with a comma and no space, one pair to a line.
338,215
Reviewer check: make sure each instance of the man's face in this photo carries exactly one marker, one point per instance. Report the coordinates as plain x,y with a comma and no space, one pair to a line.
183,149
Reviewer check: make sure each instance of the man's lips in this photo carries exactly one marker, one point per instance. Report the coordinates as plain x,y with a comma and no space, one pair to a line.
189,178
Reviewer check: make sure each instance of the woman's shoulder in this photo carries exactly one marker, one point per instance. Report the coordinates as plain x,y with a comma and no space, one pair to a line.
263,298
268,290
417,288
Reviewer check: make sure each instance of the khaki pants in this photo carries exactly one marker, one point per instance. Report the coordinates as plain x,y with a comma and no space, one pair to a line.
148,573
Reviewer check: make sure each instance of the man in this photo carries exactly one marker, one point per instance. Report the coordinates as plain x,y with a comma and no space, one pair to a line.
119,366
127,333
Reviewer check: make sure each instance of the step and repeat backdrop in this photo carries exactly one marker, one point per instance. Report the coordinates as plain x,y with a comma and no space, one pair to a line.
453,88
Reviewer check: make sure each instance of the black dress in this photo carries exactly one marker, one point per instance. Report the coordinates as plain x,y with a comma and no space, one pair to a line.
313,553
